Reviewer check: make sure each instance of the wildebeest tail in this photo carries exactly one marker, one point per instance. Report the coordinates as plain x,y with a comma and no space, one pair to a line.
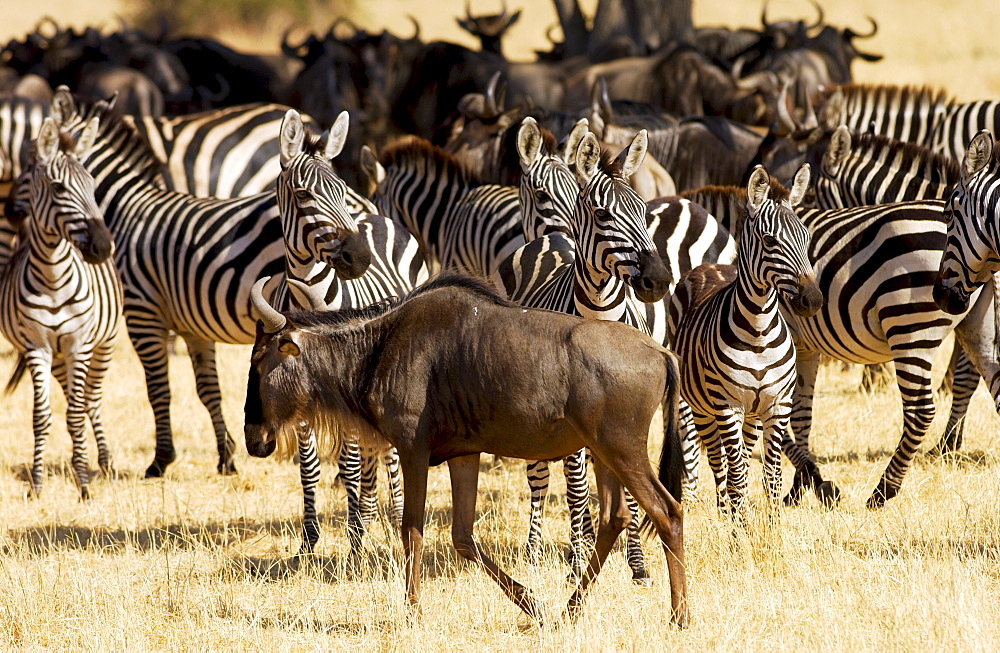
15,377
671,456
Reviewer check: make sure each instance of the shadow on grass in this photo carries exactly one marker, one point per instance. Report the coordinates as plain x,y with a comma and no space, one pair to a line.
927,548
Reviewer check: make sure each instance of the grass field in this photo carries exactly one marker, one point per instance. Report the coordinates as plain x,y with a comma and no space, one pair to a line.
201,562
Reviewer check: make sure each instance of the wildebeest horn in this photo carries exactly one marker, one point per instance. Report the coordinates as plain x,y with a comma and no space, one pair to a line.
810,121
48,20
491,95
468,10
342,19
738,67
287,48
416,28
219,95
503,10
763,17
272,319
819,19
851,34
784,118
315,297
548,33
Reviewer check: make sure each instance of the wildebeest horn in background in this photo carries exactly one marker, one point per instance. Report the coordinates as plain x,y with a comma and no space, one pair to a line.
468,10
416,28
503,10
342,19
784,118
492,105
216,96
314,296
737,71
763,17
548,33
272,319
293,50
819,19
851,34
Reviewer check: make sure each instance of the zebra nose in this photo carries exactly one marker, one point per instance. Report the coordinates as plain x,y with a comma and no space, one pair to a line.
653,280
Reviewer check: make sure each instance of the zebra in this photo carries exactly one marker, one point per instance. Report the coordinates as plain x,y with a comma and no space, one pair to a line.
961,123
61,297
737,353
461,224
306,188
865,169
881,259
609,262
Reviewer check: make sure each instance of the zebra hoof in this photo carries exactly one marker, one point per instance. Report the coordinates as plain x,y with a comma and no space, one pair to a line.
85,493
642,579
158,468
883,492
34,492
227,468
828,494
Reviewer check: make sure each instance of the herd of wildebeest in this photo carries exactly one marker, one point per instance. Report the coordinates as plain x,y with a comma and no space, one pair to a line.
478,255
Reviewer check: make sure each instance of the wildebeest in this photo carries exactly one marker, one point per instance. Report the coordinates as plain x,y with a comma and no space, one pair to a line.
444,375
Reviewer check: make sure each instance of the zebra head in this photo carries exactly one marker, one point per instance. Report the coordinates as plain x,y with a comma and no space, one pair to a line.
971,255
548,189
312,200
62,192
774,245
609,222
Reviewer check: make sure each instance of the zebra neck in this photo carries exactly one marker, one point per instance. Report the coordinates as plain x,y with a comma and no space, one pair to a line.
51,258
598,295
312,273
753,307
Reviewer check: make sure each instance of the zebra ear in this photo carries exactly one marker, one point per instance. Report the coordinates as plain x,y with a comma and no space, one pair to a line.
529,142
836,153
632,158
588,156
63,105
291,137
829,115
47,143
758,188
87,138
337,136
799,186
979,154
370,166
576,135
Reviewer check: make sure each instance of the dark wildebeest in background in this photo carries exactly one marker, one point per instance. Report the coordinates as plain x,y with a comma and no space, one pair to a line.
444,375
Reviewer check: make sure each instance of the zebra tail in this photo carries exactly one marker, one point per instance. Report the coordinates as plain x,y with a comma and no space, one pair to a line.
671,457
19,370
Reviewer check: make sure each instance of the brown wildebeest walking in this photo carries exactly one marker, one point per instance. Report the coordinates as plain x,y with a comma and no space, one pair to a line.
454,370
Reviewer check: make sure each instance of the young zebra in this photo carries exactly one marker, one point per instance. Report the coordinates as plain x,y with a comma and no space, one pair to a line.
738,358
610,262
61,298
306,189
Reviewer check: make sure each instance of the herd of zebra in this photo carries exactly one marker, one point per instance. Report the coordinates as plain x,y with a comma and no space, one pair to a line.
170,222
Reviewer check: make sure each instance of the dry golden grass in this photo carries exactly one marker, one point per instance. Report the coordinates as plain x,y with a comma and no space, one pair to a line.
197,561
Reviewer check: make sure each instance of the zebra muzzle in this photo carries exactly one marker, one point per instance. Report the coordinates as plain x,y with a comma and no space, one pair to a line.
352,258
950,299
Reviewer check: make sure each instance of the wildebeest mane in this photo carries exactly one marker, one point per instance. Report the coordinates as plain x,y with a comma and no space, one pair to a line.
508,158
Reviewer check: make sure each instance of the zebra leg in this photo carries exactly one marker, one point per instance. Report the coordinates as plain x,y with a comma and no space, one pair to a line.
309,475
581,525
633,545
350,473
775,429
76,417
538,483
977,335
913,375
807,474
368,494
39,364
99,364
730,425
149,339
709,435
965,380
690,450
806,368
391,460
206,377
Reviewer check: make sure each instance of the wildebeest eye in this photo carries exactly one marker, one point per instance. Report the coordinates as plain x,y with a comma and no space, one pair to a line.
770,240
303,194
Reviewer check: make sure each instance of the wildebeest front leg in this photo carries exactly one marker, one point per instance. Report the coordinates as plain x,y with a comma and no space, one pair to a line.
415,466
464,483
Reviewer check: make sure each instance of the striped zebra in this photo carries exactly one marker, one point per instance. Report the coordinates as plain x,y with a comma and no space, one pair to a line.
738,356
610,263
866,169
461,224
876,265
308,191
61,298
186,265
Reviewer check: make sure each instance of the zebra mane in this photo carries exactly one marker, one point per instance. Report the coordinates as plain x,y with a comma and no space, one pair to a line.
609,164
890,93
443,280
727,204
932,165
115,132
413,150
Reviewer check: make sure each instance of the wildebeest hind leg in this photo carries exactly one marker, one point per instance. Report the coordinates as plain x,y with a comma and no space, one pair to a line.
464,482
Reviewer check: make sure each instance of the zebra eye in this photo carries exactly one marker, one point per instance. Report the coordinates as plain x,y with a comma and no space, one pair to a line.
58,187
303,195
542,195
601,214
770,240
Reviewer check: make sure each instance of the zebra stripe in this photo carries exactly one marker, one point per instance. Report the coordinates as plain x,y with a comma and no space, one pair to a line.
61,298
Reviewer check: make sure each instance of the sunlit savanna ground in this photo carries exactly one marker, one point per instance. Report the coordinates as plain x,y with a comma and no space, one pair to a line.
199,562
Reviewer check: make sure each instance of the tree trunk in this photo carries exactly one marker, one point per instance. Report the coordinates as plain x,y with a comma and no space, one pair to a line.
573,26
656,23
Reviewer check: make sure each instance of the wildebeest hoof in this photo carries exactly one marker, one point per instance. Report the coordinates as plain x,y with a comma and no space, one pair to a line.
828,493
